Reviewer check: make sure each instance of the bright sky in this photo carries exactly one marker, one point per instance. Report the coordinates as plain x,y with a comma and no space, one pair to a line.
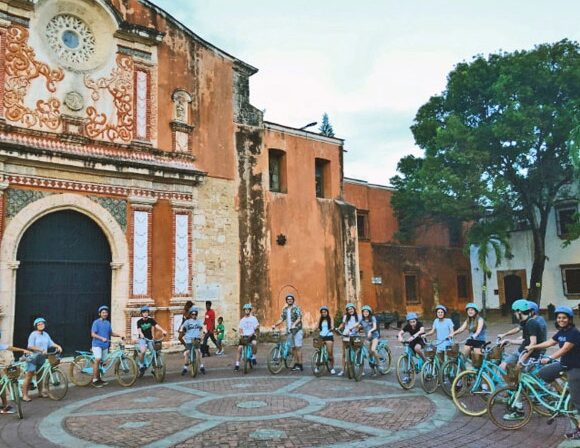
370,64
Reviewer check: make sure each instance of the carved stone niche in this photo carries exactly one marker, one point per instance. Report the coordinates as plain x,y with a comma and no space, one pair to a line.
181,106
180,125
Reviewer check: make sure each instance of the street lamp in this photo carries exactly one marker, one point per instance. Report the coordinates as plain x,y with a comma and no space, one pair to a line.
309,125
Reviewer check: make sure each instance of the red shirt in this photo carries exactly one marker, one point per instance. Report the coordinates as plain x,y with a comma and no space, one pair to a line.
209,321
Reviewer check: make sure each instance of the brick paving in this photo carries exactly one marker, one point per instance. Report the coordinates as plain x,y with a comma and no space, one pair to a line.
252,406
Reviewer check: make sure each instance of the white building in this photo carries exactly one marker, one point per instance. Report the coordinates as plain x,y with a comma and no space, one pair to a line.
511,279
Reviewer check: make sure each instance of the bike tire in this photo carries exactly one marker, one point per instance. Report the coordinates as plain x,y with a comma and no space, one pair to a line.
15,391
159,368
449,371
470,401
289,361
502,403
430,376
358,365
126,371
78,371
384,364
274,362
316,363
56,384
405,376
194,362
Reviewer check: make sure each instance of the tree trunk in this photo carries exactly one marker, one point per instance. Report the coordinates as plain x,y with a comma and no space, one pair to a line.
539,235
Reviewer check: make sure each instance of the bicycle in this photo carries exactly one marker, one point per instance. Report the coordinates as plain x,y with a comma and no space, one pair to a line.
280,355
124,367
49,375
525,393
9,383
383,366
194,357
247,353
320,357
409,365
431,373
453,365
153,358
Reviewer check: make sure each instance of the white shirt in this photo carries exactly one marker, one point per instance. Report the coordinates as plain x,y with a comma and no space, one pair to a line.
289,318
248,325
350,322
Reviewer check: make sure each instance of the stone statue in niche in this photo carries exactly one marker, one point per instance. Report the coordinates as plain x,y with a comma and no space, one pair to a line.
181,102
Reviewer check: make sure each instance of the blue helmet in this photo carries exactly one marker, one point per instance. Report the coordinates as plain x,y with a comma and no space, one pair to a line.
521,305
248,306
323,308
367,308
534,307
564,310
103,308
193,309
145,308
350,305
472,306
38,320
411,316
441,307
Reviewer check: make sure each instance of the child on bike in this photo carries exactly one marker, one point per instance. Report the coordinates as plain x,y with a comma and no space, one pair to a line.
476,327
6,409
190,330
220,333
348,328
370,328
416,330
442,328
145,327
325,328
248,326
568,340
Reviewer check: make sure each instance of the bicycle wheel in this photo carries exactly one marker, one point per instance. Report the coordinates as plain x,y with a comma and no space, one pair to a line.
275,361
194,360
289,360
56,384
15,391
316,363
81,371
126,371
385,360
449,371
471,393
430,376
247,358
405,372
159,368
358,365
509,410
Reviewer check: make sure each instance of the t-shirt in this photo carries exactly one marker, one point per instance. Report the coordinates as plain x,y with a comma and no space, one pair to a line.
349,324
103,329
248,325
472,325
325,328
40,340
412,331
443,328
221,331
191,329
532,327
572,358
146,326
367,325
209,320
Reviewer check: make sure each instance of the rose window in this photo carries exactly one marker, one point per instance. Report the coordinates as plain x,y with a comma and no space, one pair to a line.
71,39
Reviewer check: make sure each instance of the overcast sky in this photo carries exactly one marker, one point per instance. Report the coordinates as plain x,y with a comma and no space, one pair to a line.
370,64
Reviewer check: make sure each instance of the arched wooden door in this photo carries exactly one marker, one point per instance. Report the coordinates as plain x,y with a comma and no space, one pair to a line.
64,276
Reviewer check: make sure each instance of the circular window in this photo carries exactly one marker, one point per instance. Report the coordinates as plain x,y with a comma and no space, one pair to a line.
71,39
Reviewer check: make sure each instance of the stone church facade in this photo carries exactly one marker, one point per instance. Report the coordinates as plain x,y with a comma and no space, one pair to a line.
134,170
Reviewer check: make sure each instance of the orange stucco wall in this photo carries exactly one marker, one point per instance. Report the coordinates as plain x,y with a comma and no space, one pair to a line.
162,258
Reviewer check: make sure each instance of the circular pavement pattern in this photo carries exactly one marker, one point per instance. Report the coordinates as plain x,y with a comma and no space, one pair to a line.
266,412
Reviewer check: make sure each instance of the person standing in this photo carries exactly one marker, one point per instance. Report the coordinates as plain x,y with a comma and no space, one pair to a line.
101,332
292,316
209,323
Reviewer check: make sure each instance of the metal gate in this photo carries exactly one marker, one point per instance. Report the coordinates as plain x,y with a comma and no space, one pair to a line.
64,276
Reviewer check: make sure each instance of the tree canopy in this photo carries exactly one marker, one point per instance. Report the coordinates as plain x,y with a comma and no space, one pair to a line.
495,145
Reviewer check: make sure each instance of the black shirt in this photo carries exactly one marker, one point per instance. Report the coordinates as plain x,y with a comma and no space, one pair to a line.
572,358
532,327
146,327
408,329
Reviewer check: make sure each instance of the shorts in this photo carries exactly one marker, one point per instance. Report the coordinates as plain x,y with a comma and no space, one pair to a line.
252,339
144,344
327,338
35,362
416,341
296,339
99,352
475,343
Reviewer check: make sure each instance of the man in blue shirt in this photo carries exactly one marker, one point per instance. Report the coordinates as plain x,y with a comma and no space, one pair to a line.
101,332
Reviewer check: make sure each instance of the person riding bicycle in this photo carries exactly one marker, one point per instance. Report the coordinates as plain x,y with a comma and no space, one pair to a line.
6,408
348,328
101,332
145,327
533,333
475,325
416,330
535,310
190,330
248,326
325,327
568,340
38,343
370,328
442,328
292,316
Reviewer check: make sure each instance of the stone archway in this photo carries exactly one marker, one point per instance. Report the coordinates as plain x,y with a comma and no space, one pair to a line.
40,208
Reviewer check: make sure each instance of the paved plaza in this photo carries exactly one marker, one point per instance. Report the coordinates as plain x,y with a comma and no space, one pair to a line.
230,409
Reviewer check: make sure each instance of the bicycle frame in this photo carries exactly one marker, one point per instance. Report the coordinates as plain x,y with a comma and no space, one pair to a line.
107,363
531,386
414,358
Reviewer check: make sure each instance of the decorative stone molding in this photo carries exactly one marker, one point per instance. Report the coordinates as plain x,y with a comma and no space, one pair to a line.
141,201
16,200
116,207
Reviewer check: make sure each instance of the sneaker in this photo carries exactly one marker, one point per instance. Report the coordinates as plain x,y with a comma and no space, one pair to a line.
97,383
406,379
514,416
574,435
296,368
236,368
142,371
316,370
332,372
7,410
221,352
202,370
184,371
103,382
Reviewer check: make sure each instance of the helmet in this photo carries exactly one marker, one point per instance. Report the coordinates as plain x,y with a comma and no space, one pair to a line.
324,308
411,316
564,310
441,307
38,320
248,306
103,308
350,305
534,307
290,296
521,305
367,308
145,308
193,309
472,306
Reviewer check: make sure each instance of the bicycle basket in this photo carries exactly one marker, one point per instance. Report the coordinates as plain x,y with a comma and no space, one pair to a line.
452,351
275,336
196,342
430,351
317,342
356,341
496,353
476,360
157,345
53,360
12,372
512,376
245,340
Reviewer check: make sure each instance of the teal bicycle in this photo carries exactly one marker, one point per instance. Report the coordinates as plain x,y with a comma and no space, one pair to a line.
453,365
247,353
431,373
524,394
9,386
320,357
153,358
49,376
280,355
409,365
118,360
381,365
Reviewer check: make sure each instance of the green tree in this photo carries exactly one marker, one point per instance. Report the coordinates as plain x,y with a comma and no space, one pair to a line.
326,128
495,146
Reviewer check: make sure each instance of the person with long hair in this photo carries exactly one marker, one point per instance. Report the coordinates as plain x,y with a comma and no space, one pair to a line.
370,327
325,328
348,328
475,325
416,330
442,328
